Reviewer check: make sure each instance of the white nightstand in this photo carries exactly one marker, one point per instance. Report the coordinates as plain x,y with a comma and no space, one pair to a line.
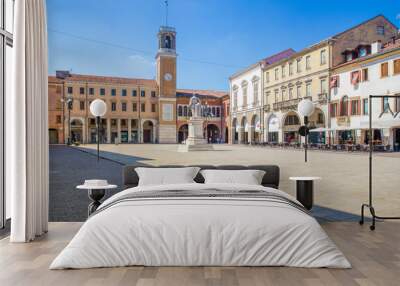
96,190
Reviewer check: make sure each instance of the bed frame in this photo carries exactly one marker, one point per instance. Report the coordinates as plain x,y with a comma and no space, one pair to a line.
270,179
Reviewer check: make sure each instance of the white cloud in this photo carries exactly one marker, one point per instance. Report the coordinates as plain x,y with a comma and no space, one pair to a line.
142,61
141,66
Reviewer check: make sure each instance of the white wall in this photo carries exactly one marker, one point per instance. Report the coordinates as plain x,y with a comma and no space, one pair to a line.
374,86
248,76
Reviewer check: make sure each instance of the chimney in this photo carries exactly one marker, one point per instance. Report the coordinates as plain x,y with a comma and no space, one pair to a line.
376,47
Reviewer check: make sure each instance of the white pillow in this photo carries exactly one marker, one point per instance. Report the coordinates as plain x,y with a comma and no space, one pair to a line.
248,177
166,176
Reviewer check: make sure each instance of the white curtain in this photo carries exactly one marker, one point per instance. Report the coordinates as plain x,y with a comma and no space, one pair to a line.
27,127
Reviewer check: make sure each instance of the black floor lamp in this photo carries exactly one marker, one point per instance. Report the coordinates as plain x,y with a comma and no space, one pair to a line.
305,109
371,147
98,108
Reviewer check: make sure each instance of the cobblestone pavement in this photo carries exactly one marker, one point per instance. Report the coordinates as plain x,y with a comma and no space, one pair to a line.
344,184
70,166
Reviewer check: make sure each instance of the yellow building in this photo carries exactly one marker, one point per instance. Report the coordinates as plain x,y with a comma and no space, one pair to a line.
306,74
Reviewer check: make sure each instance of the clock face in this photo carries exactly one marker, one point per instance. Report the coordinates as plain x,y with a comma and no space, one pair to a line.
168,76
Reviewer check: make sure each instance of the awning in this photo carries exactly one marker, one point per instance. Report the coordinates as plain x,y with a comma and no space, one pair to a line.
320,129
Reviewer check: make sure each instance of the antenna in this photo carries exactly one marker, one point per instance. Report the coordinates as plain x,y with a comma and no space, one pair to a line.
166,13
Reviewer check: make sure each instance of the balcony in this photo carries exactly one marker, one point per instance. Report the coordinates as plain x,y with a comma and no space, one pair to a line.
323,98
287,104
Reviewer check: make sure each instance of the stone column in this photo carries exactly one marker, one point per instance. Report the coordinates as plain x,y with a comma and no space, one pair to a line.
129,130
108,130
154,133
119,130
240,135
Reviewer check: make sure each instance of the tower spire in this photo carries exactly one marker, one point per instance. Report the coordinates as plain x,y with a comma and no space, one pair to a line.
166,13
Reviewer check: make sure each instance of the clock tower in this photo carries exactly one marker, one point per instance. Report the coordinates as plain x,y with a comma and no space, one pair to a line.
166,81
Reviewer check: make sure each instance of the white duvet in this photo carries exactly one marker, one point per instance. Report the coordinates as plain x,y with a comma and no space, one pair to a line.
200,231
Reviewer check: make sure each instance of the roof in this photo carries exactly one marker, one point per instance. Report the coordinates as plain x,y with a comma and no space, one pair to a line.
279,56
200,93
267,61
107,79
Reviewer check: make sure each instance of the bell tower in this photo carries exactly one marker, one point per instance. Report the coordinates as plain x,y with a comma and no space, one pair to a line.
166,81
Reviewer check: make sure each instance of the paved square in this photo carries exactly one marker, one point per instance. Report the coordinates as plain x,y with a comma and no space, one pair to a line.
344,184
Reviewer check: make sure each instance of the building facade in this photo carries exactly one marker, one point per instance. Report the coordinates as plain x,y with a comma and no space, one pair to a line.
298,75
375,72
138,110
247,102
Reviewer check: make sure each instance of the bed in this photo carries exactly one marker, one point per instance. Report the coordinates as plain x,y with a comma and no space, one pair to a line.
198,224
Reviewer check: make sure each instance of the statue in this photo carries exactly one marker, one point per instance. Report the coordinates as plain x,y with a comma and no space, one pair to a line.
195,106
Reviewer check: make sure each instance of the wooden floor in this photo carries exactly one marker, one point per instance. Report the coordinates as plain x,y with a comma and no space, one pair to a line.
375,257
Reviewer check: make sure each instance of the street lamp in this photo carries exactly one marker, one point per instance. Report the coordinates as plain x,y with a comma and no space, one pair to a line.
98,108
70,101
305,109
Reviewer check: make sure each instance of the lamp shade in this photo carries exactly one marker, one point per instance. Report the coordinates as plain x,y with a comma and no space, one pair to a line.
98,107
305,107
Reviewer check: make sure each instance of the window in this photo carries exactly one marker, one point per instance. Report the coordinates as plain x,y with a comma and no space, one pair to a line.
185,111
385,104
58,119
283,94
291,68
344,107
396,66
123,92
320,118
123,106
362,52
308,62
91,91
255,93
298,91
134,92
292,120
217,112
365,74
276,95
123,122
267,76
180,110
323,57
283,71
81,105
134,107
298,65
380,30
276,74
113,106
102,91
244,90
333,111
365,106
142,93
113,92
70,90
355,77
308,89
153,107
143,107
235,99
323,85
153,93
81,90
290,93
355,107
384,69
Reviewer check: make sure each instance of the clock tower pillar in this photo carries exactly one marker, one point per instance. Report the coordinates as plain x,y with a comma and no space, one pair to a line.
166,81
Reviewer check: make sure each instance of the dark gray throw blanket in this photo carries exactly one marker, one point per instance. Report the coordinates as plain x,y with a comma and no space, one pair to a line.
204,193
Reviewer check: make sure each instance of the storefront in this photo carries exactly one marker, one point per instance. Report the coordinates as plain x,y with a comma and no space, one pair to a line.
273,129
317,136
291,137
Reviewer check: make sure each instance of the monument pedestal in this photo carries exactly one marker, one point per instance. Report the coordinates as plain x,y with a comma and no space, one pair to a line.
195,140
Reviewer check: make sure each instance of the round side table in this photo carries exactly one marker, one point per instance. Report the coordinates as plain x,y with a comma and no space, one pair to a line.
95,194
305,190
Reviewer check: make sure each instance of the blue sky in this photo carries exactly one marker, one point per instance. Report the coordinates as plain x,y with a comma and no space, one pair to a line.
215,38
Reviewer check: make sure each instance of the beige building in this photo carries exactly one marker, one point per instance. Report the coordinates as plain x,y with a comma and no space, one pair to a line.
306,74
